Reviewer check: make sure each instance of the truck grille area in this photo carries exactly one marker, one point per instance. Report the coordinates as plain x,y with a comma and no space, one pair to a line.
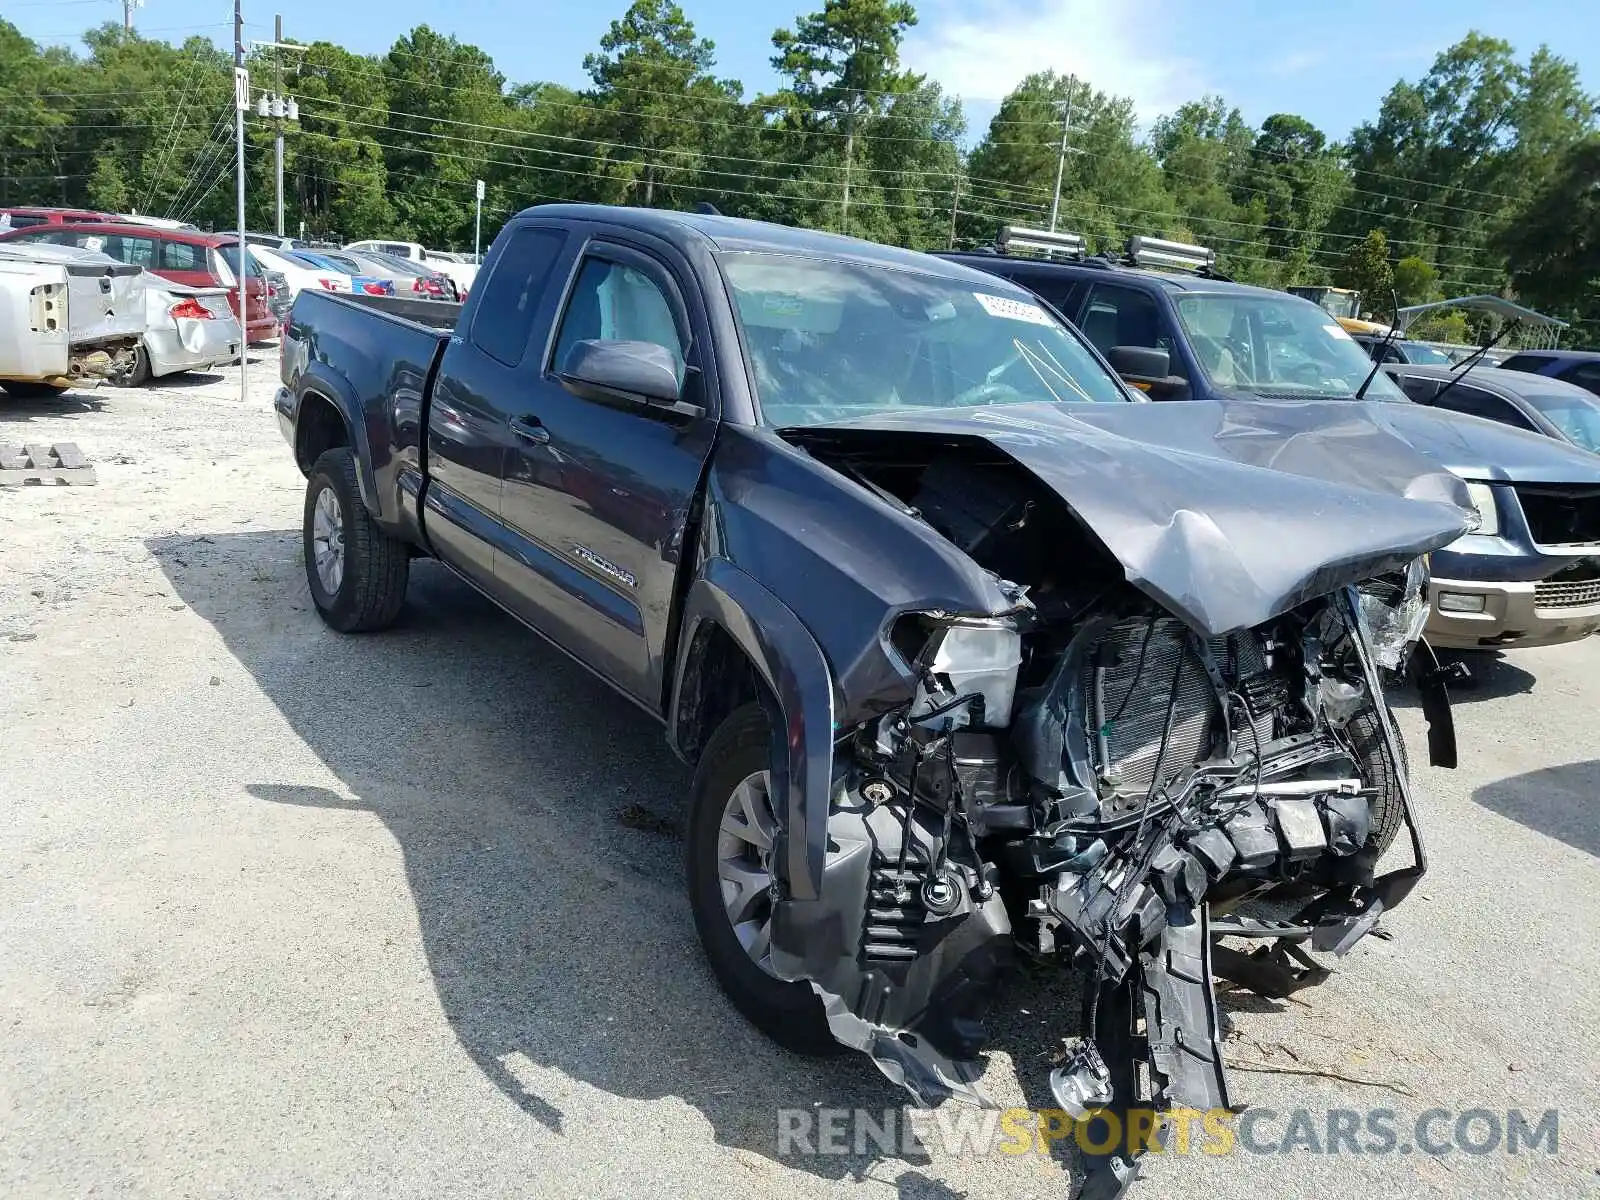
1566,595
1555,519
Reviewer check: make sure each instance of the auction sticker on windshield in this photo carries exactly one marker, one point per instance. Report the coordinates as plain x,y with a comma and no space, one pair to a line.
1012,310
1336,331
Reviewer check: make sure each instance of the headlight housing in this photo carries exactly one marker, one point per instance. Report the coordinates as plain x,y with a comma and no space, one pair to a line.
1394,610
969,656
1483,500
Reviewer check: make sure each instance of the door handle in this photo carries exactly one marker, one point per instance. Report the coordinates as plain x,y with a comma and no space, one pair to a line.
530,430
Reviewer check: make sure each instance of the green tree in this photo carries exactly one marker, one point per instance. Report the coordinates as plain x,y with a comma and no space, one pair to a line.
1111,184
843,71
1294,184
1554,249
658,102
1415,280
1366,268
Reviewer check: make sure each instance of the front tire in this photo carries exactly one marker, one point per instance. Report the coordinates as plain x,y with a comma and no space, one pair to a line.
357,573
731,827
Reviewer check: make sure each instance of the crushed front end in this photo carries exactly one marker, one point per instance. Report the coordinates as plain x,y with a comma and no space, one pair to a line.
1091,779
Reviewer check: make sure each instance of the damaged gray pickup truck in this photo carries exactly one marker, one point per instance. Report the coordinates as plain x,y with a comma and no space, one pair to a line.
976,655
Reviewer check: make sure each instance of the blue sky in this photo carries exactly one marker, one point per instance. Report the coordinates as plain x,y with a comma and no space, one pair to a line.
1328,61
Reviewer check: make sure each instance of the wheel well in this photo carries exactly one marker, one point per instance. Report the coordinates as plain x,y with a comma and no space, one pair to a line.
319,427
718,678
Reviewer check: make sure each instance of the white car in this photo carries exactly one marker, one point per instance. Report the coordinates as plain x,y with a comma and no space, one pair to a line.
297,274
184,328
68,318
456,266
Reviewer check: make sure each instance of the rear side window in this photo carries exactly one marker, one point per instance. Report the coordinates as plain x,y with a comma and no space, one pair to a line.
1524,362
1585,375
181,256
14,221
1464,398
507,303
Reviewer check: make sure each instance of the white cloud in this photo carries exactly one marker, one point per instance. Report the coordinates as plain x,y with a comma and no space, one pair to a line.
981,49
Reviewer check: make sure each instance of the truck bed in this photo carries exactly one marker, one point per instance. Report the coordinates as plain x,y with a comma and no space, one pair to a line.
430,314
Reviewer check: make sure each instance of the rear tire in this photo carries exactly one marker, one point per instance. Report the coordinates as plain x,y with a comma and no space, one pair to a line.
139,374
30,389
356,572
790,1013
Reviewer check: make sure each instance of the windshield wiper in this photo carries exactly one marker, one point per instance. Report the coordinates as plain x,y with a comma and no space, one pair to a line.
1474,359
1377,359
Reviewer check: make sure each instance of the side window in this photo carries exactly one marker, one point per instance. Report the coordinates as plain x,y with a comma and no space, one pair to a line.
1524,362
14,221
504,318
139,251
1119,316
1464,398
181,256
615,302
1584,374
1418,387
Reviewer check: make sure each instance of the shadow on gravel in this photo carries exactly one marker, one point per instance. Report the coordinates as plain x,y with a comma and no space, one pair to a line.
538,817
1492,678
68,404
1557,801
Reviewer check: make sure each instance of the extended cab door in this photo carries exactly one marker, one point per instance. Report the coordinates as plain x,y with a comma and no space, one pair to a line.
598,493
474,399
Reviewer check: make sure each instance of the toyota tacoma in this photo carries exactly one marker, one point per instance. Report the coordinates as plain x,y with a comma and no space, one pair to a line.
976,654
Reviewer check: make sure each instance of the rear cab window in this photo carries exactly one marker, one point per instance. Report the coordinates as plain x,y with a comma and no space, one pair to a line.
509,301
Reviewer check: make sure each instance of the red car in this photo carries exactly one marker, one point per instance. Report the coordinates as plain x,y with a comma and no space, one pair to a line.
21,218
176,254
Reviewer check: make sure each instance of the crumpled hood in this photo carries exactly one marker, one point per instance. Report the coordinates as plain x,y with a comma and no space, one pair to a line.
1226,513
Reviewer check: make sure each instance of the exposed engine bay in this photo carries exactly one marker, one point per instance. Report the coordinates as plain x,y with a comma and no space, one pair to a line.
1091,780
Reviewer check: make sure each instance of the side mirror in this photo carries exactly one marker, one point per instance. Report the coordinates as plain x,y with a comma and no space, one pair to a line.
636,372
1139,362
1147,368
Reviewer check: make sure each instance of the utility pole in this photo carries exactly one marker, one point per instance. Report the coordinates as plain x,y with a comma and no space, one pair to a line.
241,101
127,15
477,227
277,36
1061,159
955,205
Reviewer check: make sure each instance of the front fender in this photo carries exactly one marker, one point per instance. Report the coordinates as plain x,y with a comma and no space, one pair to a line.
793,667
336,391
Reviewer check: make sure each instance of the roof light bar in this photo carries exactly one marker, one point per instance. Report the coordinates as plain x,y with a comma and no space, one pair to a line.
1045,241
1180,256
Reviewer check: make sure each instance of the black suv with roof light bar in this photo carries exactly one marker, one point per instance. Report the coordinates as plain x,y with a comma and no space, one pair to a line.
1182,332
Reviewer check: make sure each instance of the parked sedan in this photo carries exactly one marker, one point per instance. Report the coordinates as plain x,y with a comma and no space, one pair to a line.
346,268
1516,398
189,329
297,273
1581,367
418,280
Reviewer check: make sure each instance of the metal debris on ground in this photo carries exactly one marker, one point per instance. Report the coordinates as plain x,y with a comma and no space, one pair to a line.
61,462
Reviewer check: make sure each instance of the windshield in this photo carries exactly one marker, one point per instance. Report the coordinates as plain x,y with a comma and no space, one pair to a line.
1278,347
827,341
228,257
1340,304
1416,352
1577,417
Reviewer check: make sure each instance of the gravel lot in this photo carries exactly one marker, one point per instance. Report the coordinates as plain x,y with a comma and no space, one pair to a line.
289,913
